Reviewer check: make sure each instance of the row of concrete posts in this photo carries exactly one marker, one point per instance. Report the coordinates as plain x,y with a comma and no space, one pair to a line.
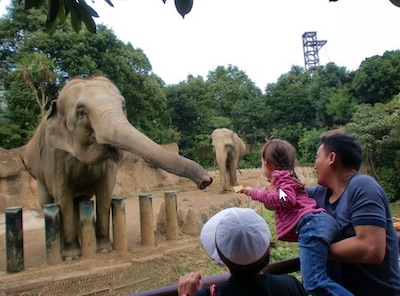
53,228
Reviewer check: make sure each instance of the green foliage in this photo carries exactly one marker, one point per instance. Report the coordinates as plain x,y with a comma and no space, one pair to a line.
11,135
252,160
377,129
377,78
308,146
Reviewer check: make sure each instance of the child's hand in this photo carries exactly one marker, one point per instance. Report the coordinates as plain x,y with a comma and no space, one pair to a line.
246,190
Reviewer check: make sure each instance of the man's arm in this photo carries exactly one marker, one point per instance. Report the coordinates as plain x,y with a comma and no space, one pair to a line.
367,246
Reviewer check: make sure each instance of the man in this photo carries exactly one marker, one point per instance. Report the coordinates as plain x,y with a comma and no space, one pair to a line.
369,246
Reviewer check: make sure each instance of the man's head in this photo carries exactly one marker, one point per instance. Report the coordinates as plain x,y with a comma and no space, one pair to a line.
337,152
238,238
346,148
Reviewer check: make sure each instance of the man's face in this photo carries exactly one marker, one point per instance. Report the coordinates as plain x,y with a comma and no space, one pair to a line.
322,166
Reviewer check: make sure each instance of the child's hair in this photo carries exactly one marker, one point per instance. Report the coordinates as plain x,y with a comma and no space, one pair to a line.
280,153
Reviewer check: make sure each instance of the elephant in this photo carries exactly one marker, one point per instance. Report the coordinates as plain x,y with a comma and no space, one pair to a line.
75,151
229,149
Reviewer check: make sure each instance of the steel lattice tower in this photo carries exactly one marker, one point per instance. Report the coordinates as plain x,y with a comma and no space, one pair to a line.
311,46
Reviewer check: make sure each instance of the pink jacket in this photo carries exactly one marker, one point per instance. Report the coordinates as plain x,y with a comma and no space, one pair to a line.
289,201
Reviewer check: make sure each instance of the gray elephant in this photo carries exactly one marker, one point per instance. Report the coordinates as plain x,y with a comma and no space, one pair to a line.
229,150
75,151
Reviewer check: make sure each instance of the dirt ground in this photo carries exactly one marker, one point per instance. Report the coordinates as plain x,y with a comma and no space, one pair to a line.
142,267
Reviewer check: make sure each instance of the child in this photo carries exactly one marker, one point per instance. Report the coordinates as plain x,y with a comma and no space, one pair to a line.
297,218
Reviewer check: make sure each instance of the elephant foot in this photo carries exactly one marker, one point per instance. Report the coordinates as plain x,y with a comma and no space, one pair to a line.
104,245
71,252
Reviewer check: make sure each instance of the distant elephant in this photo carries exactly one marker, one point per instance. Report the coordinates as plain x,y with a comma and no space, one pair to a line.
229,150
75,151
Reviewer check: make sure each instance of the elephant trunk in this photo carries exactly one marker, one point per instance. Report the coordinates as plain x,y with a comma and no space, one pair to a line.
121,134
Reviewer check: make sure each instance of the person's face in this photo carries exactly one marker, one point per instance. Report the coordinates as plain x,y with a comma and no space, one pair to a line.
322,165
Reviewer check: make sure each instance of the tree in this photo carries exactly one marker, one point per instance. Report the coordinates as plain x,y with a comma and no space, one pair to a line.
190,108
290,110
377,78
330,95
36,71
82,54
377,128
237,97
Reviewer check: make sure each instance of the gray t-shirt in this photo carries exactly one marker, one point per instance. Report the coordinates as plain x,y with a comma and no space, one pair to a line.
364,202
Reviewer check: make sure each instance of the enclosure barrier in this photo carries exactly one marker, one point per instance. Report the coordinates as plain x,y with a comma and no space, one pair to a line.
52,225
119,224
279,267
14,239
53,228
171,215
88,240
146,220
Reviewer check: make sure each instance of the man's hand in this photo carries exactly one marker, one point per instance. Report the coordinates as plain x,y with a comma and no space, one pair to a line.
189,284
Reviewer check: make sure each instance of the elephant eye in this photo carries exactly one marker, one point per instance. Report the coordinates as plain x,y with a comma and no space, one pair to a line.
80,113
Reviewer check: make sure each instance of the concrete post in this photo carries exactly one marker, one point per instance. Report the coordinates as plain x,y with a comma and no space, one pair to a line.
119,224
86,216
14,239
52,226
171,215
146,220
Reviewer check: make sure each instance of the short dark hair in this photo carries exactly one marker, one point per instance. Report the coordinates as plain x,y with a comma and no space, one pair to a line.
346,147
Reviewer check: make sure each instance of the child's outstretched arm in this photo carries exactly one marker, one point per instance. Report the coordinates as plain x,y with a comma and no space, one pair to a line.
246,190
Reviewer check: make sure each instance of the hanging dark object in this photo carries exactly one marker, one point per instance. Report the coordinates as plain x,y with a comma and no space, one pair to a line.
395,2
183,6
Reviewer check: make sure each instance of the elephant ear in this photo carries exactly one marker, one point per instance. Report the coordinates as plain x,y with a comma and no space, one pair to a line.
58,135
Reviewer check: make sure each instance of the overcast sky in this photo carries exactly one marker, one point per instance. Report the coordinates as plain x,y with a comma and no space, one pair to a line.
261,37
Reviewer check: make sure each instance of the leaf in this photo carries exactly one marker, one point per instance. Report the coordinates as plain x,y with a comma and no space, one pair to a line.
76,15
87,13
33,3
53,11
88,9
62,13
109,3
395,2
183,6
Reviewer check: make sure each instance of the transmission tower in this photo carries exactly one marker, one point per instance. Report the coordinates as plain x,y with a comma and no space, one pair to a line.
311,46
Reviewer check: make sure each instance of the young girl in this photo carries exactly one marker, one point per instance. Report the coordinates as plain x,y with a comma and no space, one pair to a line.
297,218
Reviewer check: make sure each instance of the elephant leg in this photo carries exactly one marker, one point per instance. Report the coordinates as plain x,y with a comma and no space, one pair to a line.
44,196
228,178
103,206
232,174
224,182
70,221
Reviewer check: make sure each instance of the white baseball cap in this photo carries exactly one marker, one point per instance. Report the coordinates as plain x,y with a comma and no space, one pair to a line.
239,235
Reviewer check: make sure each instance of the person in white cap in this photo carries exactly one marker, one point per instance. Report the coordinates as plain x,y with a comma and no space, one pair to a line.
240,239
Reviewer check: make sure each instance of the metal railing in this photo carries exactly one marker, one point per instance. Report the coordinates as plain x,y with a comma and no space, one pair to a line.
279,267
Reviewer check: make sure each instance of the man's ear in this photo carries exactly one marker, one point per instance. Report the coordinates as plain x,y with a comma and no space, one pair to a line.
332,157
58,135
